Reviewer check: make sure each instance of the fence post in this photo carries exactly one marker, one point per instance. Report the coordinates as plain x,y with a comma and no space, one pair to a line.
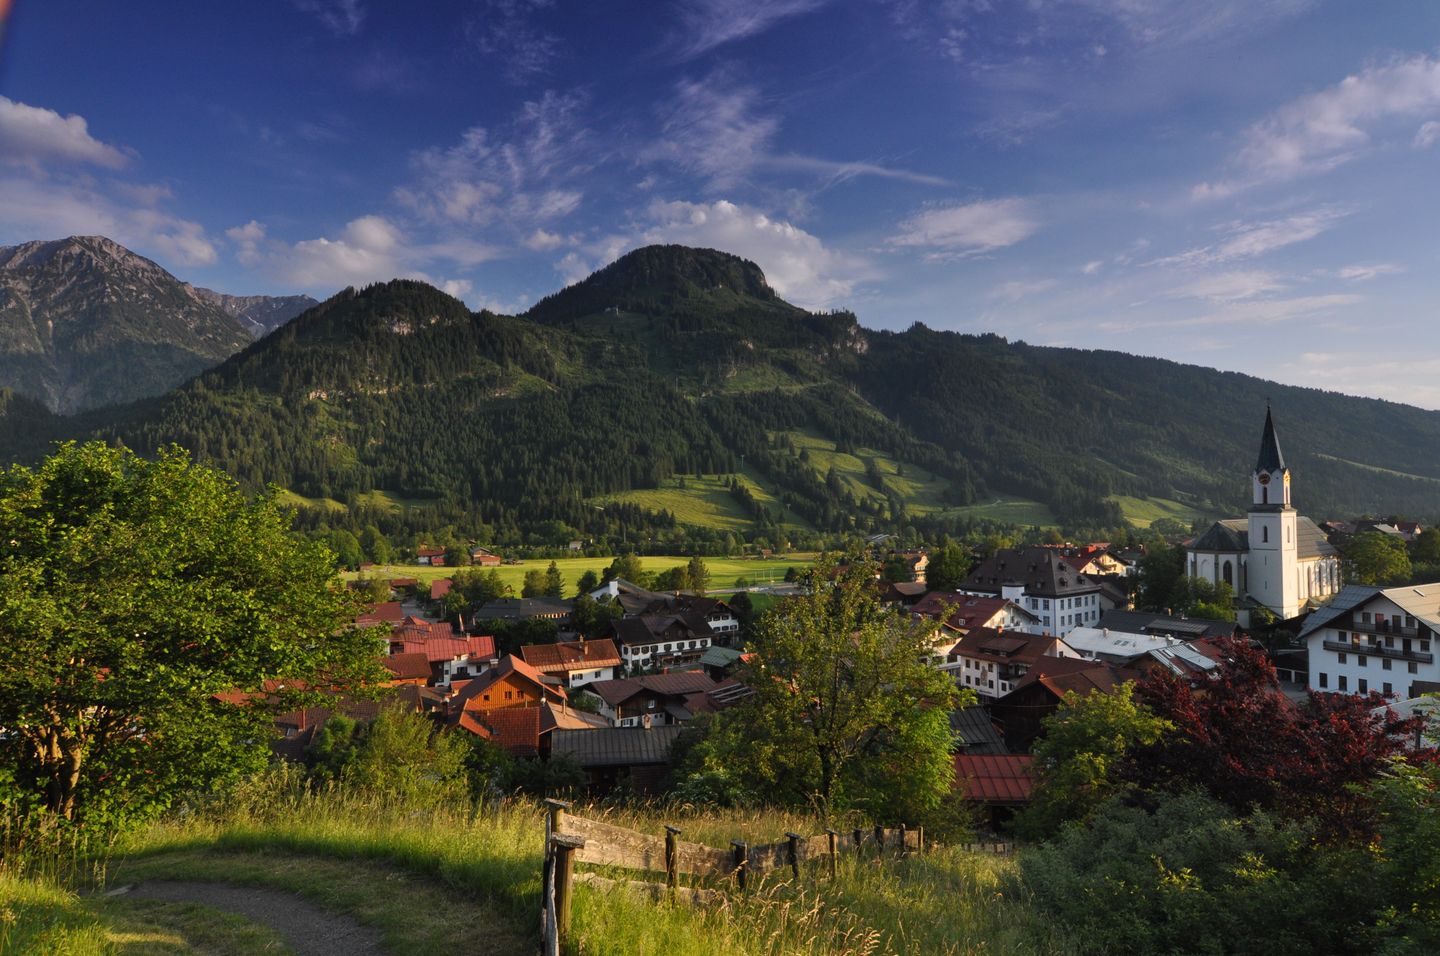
557,810
879,842
672,858
920,840
859,841
794,854
565,845
903,848
741,856
830,837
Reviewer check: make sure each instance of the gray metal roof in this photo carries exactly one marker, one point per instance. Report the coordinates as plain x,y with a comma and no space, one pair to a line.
1348,598
972,725
616,746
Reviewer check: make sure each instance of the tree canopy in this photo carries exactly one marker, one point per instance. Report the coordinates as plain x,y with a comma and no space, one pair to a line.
134,592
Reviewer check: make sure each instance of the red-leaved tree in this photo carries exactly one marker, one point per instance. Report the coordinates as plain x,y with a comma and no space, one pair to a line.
1242,740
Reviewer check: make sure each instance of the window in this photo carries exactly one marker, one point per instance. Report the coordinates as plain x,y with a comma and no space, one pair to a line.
667,647
1385,664
1364,617
1414,668
1425,646
1409,621
1324,680
1342,657
1389,691
1340,682
1265,533
509,694
1364,687
1361,659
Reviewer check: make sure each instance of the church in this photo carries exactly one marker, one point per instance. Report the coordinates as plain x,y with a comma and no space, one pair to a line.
1274,558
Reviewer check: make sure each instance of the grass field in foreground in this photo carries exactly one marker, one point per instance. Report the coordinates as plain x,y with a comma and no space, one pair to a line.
407,865
723,571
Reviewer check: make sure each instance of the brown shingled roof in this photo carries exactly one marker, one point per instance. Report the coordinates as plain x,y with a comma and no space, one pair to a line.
571,656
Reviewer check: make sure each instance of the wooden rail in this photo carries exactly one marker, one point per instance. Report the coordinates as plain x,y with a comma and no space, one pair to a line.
570,840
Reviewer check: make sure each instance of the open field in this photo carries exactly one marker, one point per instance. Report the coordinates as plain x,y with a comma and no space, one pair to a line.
1143,512
1007,510
705,501
723,571
922,492
1377,469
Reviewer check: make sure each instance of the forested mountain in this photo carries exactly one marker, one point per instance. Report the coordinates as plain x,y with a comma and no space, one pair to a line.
596,413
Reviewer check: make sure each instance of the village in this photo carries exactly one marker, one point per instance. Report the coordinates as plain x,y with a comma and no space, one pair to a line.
1029,626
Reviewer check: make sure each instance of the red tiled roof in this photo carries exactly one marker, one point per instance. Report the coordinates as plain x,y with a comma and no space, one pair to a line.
966,610
571,656
516,729
986,643
429,552
408,666
404,582
1061,674
387,612
440,587
994,778
438,649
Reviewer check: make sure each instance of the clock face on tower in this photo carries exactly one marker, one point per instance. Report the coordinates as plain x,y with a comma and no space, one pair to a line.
1264,477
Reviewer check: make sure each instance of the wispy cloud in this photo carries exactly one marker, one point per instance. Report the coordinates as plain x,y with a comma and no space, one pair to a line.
1242,312
954,231
341,17
529,177
1231,286
1364,273
1247,240
507,31
33,135
1324,130
707,24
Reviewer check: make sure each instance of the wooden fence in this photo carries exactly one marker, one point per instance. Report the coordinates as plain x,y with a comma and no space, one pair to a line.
570,839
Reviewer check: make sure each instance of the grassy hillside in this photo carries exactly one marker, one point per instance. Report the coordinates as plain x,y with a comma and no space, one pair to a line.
430,881
724,572
1143,512
705,501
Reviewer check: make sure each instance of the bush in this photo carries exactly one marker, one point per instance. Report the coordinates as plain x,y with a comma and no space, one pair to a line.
1183,875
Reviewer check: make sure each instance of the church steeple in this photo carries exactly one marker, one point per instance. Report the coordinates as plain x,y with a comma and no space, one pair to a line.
1270,458
1270,481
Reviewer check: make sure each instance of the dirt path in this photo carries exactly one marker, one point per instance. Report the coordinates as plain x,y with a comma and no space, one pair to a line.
306,928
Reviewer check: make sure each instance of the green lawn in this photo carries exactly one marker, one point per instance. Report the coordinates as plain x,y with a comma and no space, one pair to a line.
705,501
1143,512
1008,510
723,571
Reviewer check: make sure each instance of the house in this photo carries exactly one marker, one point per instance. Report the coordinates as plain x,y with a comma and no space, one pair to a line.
917,562
663,639
1038,695
1095,560
657,699
1275,558
526,609
511,683
721,662
993,662
526,732
1001,783
1040,581
387,613
636,601
408,668
638,757
430,557
1146,622
901,593
973,732
1378,639
576,663
439,588
965,611
484,558
1144,652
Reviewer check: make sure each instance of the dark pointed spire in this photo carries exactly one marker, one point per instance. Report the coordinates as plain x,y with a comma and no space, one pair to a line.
1270,458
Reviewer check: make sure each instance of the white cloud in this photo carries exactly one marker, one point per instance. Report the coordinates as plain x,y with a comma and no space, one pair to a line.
32,135
542,241
1247,240
1364,273
1254,312
1427,134
714,128
523,180
50,206
968,230
711,23
459,288
1231,286
1323,130
1092,267
340,17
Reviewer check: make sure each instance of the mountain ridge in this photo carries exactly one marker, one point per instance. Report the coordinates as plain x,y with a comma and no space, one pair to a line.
399,402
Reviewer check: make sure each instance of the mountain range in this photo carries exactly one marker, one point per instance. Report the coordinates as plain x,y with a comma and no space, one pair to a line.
674,393
85,322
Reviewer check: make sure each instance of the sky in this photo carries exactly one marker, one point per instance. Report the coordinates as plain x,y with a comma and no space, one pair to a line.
1251,185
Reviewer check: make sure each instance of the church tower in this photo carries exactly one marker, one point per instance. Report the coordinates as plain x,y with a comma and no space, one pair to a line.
1273,565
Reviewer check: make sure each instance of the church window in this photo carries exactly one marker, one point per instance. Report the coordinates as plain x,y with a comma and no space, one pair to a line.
1265,533
1264,494
1228,573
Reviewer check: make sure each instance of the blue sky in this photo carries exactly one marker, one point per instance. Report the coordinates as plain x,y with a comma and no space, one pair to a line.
1245,184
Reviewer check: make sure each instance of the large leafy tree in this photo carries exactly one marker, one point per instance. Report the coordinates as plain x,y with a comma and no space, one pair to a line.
132,593
1376,559
845,714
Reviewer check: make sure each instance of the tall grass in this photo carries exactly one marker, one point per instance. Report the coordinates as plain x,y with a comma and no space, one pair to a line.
944,902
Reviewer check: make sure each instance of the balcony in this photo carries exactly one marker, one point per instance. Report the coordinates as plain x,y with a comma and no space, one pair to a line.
1384,629
1377,650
